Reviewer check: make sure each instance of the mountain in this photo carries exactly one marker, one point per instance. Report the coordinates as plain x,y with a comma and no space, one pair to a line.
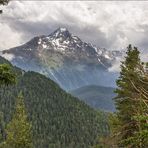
66,59
58,119
96,96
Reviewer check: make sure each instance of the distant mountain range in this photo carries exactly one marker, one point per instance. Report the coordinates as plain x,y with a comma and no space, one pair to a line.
96,96
66,59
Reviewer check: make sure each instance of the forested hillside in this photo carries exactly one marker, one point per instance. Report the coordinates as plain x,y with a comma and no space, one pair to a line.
58,119
53,86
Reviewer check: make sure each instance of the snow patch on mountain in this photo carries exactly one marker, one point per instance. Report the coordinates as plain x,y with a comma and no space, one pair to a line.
66,59
107,56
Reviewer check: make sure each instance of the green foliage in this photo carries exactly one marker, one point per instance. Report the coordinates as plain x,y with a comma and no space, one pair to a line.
130,102
58,119
7,76
129,125
109,140
2,127
18,130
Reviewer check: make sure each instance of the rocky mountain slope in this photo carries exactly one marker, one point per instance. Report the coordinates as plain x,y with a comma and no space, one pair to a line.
66,59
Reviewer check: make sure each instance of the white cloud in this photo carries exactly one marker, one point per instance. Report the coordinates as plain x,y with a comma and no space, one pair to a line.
115,66
112,25
107,24
8,38
7,56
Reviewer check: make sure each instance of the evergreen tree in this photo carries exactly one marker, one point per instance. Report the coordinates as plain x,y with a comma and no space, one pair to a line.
140,137
18,131
7,76
109,140
2,127
128,99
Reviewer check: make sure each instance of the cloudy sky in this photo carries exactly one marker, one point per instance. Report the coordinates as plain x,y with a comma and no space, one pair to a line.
112,25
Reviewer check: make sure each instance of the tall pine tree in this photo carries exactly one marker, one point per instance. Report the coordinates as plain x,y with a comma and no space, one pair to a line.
140,137
129,125
18,131
127,96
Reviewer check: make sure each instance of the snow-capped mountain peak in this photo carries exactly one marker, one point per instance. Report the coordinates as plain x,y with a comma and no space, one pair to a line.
60,32
61,40
61,56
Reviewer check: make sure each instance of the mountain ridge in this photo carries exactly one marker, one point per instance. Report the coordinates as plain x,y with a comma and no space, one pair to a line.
62,56
98,97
